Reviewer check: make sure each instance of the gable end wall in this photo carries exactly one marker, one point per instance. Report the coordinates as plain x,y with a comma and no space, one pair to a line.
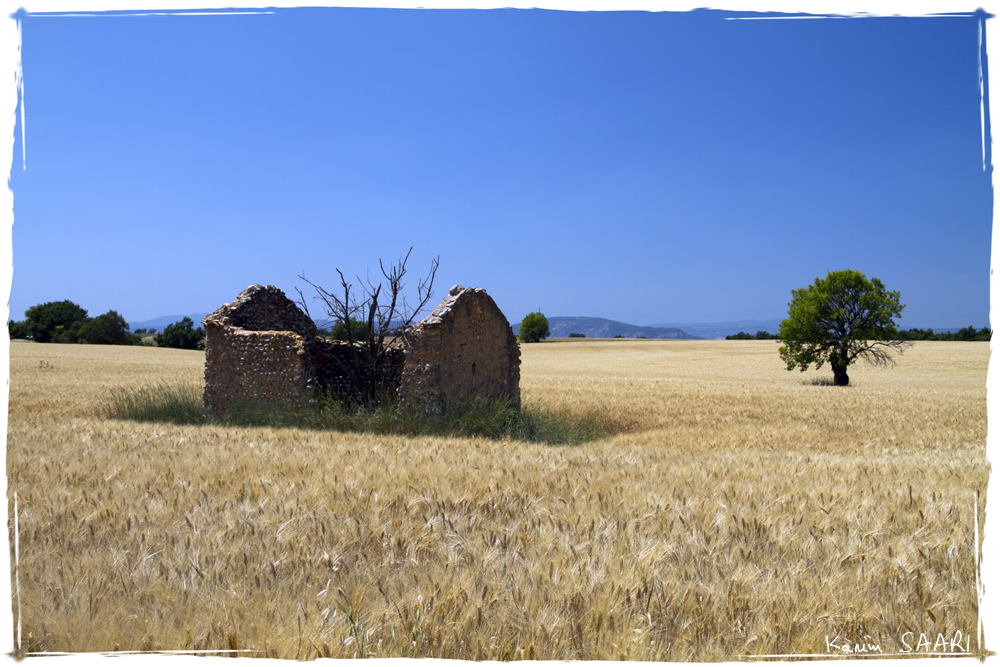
464,348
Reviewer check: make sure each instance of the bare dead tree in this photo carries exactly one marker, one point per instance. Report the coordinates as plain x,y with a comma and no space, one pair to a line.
384,308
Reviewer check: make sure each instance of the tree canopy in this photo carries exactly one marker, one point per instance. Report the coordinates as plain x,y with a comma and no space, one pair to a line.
534,327
181,335
107,329
51,322
840,319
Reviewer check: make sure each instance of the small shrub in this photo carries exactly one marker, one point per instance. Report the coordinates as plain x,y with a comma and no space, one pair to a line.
577,335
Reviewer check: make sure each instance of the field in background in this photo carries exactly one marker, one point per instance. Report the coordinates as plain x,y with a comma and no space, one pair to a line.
747,512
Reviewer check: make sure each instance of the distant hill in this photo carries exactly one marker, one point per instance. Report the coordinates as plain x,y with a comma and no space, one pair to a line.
160,323
598,327
723,329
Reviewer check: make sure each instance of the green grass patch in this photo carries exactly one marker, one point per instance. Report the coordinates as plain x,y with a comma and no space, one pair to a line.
158,402
480,417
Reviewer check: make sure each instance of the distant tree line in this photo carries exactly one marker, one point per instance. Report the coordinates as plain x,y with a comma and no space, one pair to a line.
760,335
968,333
67,322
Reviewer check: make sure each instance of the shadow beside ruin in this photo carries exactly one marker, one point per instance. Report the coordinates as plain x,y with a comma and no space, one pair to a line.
478,418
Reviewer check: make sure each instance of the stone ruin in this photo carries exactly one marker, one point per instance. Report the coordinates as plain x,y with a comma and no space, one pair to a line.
262,347
259,346
464,348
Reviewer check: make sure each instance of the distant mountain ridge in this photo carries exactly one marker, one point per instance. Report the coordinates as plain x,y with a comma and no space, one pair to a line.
599,327
713,330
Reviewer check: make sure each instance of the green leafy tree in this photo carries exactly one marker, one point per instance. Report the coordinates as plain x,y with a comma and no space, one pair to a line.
52,322
181,335
107,329
17,329
840,319
359,330
534,327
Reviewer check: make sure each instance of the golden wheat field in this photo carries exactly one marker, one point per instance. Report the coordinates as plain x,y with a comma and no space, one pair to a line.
741,510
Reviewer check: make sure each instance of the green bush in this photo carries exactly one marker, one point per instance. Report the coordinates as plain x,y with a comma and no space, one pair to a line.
577,335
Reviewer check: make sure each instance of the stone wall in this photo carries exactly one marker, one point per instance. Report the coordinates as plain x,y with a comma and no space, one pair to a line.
262,347
273,366
259,347
464,348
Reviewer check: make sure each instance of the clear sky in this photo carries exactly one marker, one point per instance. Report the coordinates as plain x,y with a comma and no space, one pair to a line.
644,167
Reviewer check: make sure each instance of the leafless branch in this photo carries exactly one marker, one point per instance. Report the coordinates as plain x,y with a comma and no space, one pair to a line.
383,308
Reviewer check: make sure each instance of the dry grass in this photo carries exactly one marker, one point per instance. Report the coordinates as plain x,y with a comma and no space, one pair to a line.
748,512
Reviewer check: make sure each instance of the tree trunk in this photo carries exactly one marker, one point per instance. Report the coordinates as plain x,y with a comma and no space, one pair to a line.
839,365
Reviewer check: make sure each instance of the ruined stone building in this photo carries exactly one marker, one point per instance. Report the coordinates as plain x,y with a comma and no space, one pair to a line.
262,347
465,347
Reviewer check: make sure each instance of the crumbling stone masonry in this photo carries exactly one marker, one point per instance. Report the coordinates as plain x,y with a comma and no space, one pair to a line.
259,347
263,347
464,348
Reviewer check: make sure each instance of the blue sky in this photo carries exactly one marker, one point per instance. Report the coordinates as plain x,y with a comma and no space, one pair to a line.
645,167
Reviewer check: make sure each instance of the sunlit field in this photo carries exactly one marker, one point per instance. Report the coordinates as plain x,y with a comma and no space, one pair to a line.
738,509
